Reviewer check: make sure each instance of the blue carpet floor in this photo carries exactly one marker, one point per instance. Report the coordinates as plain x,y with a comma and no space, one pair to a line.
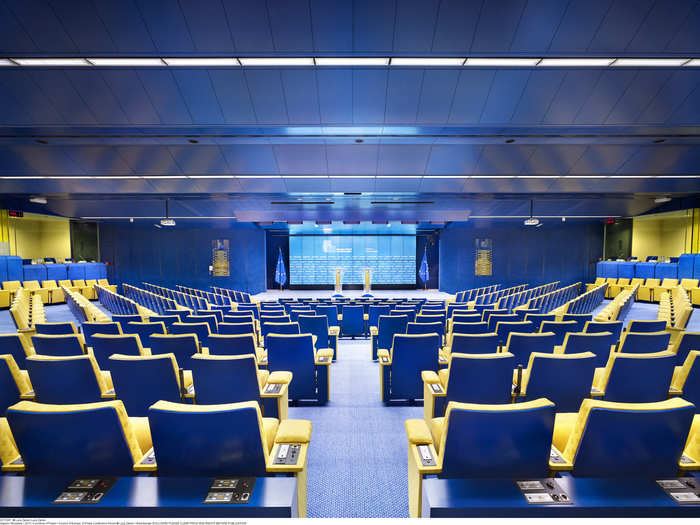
357,458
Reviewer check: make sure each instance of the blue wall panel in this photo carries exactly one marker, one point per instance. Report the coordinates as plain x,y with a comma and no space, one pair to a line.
34,272
562,252
56,272
625,270
92,270
14,268
644,270
666,271
696,267
182,255
76,271
3,269
685,266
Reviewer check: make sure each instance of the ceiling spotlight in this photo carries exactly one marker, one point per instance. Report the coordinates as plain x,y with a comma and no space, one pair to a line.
563,219
38,200
661,200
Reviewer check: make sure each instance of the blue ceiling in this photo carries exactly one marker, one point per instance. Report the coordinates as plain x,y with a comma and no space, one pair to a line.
416,124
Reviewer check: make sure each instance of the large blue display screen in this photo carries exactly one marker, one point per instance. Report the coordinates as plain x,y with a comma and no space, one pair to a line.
313,259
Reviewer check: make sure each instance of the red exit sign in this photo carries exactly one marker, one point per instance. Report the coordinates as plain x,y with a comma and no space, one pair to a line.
12,213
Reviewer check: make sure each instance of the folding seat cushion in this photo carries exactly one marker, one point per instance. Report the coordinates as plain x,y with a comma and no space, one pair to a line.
470,378
383,336
608,439
635,378
688,284
226,440
565,379
11,286
140,381
686,379
296,353
237,378
181,314
374,312
91,439
14,383
68,379
646,326
469,442
58,345
36,288
521,345
104,345
645,342
66,328
326,336
276,318
599,343
352,323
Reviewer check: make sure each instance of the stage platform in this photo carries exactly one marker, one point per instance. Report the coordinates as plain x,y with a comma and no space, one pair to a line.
432,294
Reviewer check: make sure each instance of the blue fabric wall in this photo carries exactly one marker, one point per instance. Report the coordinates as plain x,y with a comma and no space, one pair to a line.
564,252
182,255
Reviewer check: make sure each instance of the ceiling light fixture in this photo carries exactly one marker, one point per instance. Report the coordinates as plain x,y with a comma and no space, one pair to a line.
167,221
38,200
661,200
649,62
126,62
427,62
202,62
575,62
352,61
531,221
276,61
51,62
502,62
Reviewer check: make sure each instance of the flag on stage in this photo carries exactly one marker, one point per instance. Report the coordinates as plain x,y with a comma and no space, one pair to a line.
281,272
423,272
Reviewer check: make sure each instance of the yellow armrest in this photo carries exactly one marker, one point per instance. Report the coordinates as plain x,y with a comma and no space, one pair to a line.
147,462
142,430
373,330
383,352
294,431
559,349
280,377
418,432
333,330
598,376
563,426
428,376
299,466
365,317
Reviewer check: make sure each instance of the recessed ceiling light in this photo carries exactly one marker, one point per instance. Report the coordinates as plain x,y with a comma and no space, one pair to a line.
649,62
202,62
576,62
523,62
51,61
6,62
427,61
128,62
277,61
352,61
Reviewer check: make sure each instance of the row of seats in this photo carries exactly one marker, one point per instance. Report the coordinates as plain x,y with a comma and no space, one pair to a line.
120,305
519,299
27,309
150,300
466,296
549,301
174,439
234,295
531,440
81,307
650,290
51,291
212,297
675,308
619,307
498,294
183,299
584,303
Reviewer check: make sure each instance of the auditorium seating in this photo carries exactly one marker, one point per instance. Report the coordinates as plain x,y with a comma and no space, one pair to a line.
559,329
26,310
645,326
600,343
17,346
470,328
618,440
240,344
191,440
469,442
89,439
646,342
145,330
684,344
141,380
614,327
237,378
201,330
538,319
465,343
68,379
326,336
310,366
504,329
104,345
352,323
91,328
58,345
564,379
470,378
401,365
635,378
522,345
382,336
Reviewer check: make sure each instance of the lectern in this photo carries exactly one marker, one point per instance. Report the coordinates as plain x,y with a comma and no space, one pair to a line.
368,280
338,280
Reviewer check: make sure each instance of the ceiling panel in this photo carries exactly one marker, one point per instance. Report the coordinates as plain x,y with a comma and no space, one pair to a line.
602,159
620,25
504,96
403,95
300,159
437,94
149,160
207,26
453,159
97,96
83,25
608,91
415,24
498,22
537,97
199,159
670,97
661,25
579,25
165,96
166,25
250,26
197,91
537,26
125,26
553,159
455,26
471,94
42,24
131,96
301,96
373,26
401,160
369,95
332,26
335,95
638,96
63,96
290,22
97,160
267,95
250,158
355,159
508,159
